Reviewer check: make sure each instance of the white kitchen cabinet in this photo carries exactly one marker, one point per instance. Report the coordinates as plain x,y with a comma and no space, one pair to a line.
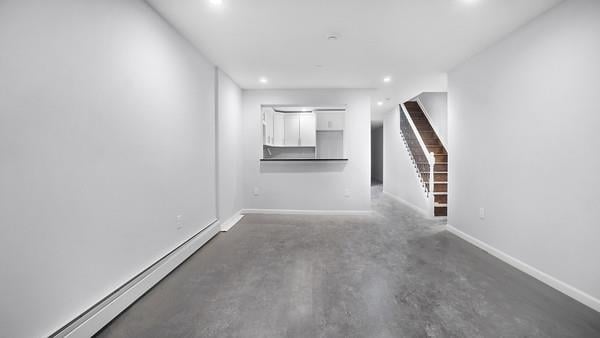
278,129
308,137
291,129
268,126
330,120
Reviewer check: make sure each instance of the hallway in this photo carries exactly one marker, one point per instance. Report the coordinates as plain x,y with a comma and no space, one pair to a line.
390,274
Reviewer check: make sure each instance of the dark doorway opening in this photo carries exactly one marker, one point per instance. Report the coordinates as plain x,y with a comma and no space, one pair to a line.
377,154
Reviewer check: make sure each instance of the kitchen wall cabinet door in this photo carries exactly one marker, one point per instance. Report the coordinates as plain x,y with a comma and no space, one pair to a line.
330,120
278,129
268,114
291,127
308,136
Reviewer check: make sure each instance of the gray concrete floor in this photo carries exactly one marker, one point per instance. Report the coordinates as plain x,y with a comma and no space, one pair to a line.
391,274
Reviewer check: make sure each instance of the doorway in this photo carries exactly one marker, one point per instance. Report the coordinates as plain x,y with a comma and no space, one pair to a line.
376,154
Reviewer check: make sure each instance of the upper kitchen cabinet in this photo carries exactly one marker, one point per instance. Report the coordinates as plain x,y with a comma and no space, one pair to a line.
308,136
330,120
278,129
268,126
291,129
299,129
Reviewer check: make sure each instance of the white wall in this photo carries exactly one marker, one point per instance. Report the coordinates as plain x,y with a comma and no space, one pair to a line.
106,134
403,89
229,139
309,186
400,179
523,125
377,153
436,106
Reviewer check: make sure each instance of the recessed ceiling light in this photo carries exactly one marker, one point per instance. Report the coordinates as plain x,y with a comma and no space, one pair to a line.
263,79
216,2
380,103
387,79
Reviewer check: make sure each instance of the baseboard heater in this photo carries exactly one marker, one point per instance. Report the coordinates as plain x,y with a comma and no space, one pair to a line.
84,325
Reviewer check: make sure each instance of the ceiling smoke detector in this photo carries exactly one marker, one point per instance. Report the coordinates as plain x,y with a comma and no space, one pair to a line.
333,37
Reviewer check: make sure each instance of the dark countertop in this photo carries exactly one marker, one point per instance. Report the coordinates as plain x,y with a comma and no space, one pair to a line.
302,159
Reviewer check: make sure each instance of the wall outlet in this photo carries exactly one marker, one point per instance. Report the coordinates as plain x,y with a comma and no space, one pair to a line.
256,191
179,222
481,213
347,193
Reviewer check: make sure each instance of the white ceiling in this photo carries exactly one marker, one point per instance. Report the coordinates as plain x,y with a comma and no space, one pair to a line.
286,40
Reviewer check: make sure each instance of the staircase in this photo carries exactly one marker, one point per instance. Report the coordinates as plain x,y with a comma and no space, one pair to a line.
428,154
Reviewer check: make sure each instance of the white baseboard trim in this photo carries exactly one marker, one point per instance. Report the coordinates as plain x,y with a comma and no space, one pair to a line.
231,221
306,212
106,310
410,205
561,286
